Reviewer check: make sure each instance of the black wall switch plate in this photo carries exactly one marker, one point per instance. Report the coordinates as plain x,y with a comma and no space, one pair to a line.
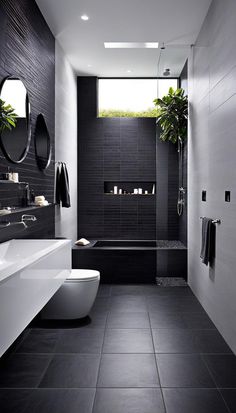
204,196
227,196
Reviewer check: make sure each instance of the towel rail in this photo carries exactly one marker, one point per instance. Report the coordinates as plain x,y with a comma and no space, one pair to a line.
214,221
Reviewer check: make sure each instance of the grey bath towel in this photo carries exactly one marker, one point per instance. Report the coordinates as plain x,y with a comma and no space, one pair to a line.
208,241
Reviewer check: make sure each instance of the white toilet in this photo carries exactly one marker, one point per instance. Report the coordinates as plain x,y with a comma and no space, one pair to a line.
75,297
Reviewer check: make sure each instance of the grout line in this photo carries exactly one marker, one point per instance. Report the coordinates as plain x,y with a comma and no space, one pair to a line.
99,367
214,381
45,370
158,374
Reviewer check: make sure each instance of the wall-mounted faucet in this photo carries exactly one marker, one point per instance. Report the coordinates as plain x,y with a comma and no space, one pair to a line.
25,218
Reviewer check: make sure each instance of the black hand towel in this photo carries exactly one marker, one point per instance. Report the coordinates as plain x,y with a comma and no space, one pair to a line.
58,192
62,185
208,241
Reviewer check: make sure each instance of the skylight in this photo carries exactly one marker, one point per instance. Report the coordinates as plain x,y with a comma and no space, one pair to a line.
131,45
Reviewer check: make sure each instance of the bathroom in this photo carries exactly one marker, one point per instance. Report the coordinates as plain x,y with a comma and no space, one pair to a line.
133,321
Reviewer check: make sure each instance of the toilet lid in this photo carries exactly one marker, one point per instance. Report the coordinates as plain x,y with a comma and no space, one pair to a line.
84,275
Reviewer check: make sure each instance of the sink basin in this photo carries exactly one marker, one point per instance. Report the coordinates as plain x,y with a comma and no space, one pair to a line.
17,253
31,271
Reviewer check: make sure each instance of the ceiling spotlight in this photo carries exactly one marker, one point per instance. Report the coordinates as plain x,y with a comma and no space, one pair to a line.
129,71
166,72
84,17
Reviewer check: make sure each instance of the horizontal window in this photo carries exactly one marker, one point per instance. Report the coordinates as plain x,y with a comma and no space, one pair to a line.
131,97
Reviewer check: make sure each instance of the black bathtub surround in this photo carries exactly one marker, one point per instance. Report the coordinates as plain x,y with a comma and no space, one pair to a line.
132,261
28,52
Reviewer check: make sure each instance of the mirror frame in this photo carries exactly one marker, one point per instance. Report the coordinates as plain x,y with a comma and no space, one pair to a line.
28,120
42,167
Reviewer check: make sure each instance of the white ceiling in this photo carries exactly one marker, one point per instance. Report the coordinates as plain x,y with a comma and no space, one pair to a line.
170,21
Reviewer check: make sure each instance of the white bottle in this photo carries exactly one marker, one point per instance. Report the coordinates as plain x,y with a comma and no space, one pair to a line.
115,190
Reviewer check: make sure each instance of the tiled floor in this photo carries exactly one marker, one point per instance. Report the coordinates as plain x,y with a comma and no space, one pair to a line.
146,350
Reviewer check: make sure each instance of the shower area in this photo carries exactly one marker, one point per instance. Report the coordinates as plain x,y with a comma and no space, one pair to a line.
132,195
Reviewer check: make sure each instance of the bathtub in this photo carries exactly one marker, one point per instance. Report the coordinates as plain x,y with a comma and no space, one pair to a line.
132,261
31,271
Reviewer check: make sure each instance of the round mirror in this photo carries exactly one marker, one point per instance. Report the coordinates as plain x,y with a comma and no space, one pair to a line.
42,143
15,142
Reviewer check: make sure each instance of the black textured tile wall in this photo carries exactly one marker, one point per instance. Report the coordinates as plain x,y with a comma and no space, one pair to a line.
27,50
117,149
123,149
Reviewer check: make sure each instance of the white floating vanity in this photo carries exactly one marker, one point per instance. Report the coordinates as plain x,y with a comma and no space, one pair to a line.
31,271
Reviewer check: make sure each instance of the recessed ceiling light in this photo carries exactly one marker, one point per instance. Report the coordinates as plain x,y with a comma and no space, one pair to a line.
84,17
129,71
131,45
89,65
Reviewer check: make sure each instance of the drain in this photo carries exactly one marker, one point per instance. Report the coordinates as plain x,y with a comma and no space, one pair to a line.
171,282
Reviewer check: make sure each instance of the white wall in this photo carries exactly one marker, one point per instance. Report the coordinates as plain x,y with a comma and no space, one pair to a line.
66,140
212,163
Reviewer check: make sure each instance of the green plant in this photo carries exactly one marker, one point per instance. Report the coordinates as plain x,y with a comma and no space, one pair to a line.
172,115
7,116
116,113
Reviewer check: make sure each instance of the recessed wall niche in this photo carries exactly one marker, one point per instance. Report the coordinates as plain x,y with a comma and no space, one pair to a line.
129,188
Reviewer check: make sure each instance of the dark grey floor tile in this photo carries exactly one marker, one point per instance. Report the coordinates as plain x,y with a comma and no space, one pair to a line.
13,348
39,341
97,319
128,370
211,341
190,304
101,304
183,370
128,401
174,341
166,320
174,304
23,370
117,319
61,401
14,400
72,370
192,321
104,290
199,321
223,369
128,341
194,401
81,340
229,396
133,289
169,291
128,303
156,304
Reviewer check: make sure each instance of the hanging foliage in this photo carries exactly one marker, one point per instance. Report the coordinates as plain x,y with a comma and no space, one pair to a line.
172,115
